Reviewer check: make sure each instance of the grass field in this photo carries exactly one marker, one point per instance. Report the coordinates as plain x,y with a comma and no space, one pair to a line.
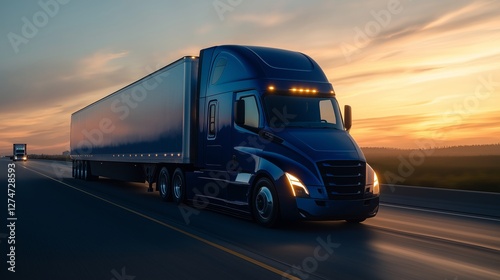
478,173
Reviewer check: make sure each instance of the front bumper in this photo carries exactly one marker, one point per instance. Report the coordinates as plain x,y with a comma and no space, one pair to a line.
320,209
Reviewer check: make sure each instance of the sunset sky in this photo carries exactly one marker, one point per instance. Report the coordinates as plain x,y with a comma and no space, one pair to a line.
417,73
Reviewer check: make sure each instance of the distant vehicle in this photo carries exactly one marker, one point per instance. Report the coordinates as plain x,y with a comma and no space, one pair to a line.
253,131
20,152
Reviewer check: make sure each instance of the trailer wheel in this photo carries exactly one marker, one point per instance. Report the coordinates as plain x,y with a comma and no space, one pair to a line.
265,206
80,176
85,173
164,184
179,186
78,169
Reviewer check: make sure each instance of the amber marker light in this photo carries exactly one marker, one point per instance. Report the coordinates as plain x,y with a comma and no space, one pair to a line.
304,90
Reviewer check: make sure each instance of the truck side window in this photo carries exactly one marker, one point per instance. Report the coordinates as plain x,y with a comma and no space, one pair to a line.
220,65
252,117
212,112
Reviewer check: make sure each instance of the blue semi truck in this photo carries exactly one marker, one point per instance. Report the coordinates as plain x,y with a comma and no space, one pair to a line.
253,131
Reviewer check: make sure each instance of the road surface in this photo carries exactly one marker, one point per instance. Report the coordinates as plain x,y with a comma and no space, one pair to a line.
65,228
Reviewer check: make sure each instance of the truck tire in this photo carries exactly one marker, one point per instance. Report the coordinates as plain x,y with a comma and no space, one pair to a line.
85,173
178,186
265,205
78,169
164,184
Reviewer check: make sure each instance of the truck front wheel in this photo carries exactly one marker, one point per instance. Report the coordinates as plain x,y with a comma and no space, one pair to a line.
265,203
164,184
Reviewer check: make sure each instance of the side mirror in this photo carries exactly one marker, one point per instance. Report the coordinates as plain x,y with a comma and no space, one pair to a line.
347,117
239,112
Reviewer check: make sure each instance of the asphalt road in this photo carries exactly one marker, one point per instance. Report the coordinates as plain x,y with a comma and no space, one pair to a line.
72,229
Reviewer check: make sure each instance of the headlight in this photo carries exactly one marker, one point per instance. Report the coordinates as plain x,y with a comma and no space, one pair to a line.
372,180
298,189
376,186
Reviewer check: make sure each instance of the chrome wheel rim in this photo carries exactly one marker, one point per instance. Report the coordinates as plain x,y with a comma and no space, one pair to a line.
264,203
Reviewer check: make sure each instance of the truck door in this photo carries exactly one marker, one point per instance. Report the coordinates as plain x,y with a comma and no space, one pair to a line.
218,134
245,141
218,148
213,146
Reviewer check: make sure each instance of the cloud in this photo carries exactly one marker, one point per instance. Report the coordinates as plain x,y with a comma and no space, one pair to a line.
264,20
428,26
41,129
465,17
37,86
99,63
382,73
38,101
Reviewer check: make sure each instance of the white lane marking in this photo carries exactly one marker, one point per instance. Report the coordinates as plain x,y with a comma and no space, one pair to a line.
441,212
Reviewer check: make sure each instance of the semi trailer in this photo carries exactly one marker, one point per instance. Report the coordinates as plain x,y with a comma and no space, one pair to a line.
20,152
253,131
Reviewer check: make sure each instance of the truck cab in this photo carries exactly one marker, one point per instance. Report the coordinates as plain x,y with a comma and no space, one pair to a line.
272,141
19,152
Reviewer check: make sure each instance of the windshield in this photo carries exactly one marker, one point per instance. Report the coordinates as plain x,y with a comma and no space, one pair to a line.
300,111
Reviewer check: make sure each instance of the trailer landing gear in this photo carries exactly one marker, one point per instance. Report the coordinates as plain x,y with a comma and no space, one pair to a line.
149,170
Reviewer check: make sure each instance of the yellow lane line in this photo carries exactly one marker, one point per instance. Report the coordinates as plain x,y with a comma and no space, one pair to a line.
215,245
